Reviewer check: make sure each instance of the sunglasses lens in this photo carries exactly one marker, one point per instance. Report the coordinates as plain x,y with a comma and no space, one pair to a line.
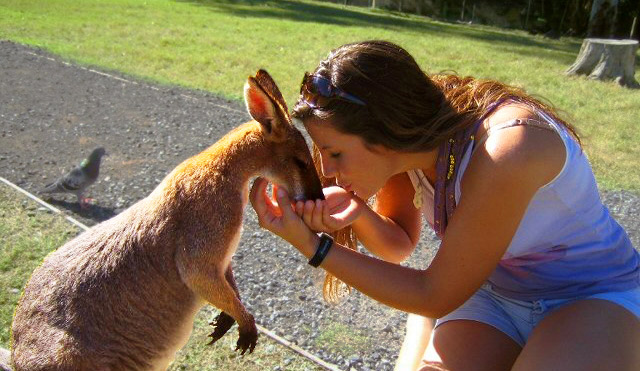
322,86
317,91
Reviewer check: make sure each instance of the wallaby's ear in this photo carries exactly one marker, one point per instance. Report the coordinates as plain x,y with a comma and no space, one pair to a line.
266,105
269,86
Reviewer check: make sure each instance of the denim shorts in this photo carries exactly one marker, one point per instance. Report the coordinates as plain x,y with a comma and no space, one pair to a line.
518,318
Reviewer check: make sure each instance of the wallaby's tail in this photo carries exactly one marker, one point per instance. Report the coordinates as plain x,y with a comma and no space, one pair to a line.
5,360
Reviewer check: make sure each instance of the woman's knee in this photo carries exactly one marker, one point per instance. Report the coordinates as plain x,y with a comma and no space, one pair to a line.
586,335
472,345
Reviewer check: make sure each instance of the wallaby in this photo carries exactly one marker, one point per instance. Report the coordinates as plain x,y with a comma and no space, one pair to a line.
123,295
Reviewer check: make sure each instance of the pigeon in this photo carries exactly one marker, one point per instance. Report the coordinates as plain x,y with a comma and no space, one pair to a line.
79,178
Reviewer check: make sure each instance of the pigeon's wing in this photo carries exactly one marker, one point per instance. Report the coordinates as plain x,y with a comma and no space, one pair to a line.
51,188
75,181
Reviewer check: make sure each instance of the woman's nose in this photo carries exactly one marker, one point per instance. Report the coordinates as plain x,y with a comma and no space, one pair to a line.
328,168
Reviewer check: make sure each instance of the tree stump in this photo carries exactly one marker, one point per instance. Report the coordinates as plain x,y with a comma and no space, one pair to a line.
607,59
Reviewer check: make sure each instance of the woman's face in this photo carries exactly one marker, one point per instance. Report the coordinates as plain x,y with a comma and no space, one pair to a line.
357,167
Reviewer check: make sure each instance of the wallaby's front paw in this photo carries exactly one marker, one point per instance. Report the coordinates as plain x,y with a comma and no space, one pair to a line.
247,340
222,323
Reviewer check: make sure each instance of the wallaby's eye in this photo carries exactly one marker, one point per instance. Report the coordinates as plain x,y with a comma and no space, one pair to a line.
334,154
301,164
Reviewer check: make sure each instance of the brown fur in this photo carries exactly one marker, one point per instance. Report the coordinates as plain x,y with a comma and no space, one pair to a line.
123,294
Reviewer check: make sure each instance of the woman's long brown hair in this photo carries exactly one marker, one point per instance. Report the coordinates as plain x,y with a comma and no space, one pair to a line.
333,289
406,109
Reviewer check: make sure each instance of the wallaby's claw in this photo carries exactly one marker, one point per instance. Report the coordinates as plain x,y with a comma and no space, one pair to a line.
247,340
222,323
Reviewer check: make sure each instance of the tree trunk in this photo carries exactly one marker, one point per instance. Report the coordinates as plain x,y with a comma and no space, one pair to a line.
444,8
526,20
602,20
607,59
564,14
578,18
419,4
473,12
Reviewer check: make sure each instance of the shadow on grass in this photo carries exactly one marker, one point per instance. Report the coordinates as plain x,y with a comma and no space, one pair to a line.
345,17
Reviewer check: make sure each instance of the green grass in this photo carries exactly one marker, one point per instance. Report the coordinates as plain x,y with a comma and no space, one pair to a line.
344,340
26,237
214,45
28,234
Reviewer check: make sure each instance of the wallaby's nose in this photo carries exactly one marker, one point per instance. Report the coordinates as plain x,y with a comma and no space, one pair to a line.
313,191
317,195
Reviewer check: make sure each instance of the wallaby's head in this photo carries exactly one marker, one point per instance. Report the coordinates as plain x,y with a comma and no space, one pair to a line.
290,164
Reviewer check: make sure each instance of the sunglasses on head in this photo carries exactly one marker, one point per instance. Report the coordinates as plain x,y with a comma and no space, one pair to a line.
317,91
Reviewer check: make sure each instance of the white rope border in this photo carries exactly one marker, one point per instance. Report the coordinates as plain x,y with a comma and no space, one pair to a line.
267,332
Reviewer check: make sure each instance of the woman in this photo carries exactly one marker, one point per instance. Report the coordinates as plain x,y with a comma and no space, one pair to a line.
531,273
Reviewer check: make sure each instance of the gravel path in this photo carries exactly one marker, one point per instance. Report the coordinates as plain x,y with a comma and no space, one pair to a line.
53,113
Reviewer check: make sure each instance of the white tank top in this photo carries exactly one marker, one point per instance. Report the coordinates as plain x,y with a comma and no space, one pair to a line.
567,243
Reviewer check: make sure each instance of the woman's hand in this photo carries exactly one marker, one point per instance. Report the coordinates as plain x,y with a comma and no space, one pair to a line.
279,217
339,209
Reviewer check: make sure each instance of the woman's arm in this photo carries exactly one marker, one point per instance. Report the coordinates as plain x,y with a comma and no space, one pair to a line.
391,229
498,185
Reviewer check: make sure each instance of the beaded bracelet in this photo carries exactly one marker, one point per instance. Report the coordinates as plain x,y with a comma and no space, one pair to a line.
324,246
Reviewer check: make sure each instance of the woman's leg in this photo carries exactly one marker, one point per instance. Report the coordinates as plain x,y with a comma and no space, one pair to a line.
589,334
471,345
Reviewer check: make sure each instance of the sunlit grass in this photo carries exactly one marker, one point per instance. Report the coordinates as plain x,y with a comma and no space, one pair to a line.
214,45
27,235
